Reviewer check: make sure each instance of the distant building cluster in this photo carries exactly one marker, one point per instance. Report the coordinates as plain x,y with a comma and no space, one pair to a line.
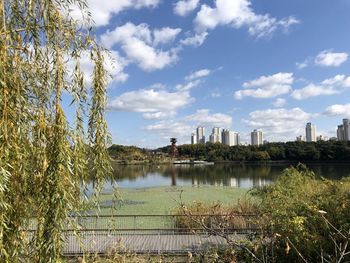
343,133
218,135
231,138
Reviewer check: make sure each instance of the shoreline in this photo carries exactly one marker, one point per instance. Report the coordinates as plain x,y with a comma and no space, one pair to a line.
320,162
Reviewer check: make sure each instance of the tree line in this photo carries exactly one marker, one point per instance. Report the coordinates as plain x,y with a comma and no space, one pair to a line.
279,151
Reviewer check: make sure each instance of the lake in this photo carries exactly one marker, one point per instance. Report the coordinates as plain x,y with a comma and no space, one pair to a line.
229,175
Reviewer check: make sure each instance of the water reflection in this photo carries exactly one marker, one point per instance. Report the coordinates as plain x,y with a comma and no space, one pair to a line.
230,175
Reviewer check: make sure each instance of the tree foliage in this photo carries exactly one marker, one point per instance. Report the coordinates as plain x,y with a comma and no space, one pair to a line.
306,219
44,159
291,151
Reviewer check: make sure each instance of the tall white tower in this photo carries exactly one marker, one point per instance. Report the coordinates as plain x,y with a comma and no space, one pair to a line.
257,137
346,125
200,135
310,132
193,138
215,136
340,133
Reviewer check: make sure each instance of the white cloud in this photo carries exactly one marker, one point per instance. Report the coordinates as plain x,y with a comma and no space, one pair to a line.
189,85
330,86
137,41
216,94
280,102
103,10
279,124
168,129
153,103
165,35
158,115
239,14
184,7
196,40
302,65
330,59
182,128
338,110
198,74
205,118
113,62
267,86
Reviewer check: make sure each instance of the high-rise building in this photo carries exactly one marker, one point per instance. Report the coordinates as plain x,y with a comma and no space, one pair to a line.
230,138
215,136
346,124
343,131
193,138
300,138
310,132
340,133
200,135
256,137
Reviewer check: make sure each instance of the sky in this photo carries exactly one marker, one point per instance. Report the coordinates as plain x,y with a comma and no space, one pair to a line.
238,64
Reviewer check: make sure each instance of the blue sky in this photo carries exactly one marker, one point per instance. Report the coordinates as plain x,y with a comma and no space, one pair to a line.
238,64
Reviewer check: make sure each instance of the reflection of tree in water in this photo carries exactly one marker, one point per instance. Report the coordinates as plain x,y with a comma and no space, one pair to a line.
220,174
225,175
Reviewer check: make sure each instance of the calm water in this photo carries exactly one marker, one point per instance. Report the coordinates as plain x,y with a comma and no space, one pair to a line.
234,175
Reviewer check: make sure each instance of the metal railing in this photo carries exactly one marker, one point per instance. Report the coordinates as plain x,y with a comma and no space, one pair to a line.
97,234
178,223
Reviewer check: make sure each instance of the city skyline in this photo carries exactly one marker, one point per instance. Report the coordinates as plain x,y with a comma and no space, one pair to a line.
178,67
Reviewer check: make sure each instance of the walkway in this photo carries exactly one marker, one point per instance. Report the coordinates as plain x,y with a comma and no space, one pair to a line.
103,243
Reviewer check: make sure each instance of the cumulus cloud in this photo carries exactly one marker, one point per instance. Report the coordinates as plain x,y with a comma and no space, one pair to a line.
195,40
168,129
205,118
237,14
266,86
338,110
158,115
189,85
330,59
330,86
165,35
194,79
184,7
302,65
198,74
280,102
151,101
279,124
139,44
103,10
113,63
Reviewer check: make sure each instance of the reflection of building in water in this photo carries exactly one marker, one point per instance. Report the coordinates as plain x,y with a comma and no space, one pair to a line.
260,182
233,182
173,177
219,183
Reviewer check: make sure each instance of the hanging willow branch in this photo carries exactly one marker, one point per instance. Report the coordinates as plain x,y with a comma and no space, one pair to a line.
44,159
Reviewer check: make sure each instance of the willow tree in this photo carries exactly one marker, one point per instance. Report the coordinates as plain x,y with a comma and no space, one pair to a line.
44,158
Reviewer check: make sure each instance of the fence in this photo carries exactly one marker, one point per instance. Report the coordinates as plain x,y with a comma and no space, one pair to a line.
151,233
